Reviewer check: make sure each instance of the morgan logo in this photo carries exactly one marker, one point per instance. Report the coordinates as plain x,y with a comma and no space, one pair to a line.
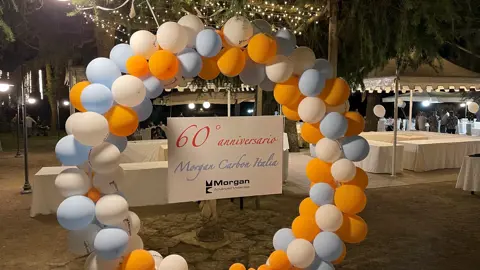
214,185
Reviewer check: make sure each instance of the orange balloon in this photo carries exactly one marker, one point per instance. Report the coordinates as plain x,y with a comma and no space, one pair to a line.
231,61
305,228
353,230
342,256
360,180
94,194
264,267
287,93
75,94
122,121
307,208
311,133
318,171
356,123
350,199
163,65
209,69
261,48
137,66
290,114
278,260
335,92
237,266
138,259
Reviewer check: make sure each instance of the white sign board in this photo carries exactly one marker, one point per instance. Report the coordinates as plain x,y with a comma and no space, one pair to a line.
224,157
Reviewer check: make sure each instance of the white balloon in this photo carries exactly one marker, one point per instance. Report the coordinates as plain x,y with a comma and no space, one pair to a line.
343,170
303,58
279,69
342,108
111,209
311,110
134,242
94,262
172,37
81,242
128,91
72,181
108,183
329,218
237,31
173,262
328,150
300,253
379,111
104,158
193,25
143,43
71,122
473,107
157,257
131,225
90,129
261,26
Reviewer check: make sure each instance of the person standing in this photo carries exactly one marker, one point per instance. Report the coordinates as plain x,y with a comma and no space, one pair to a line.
452,123
29,121
443,122
422,120
433,122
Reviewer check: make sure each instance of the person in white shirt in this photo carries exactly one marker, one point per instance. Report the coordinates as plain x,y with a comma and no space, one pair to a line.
29,121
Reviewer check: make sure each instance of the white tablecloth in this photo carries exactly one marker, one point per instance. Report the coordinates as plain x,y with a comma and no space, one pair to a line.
145,184
429,155
145,151
469,176
379,159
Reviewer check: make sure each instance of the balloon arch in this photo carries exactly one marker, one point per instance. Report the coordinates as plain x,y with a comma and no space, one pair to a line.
111,105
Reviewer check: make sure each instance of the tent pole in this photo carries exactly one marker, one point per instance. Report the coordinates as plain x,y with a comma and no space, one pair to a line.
228,103
395,120
410,110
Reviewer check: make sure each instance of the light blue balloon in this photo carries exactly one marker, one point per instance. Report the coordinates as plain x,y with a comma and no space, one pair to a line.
144,109
153,86
76,213
110,243
311,82
318,264
333,126
355,148
208,43
328,246
267,85
322,193
286,42
70,152
253,73
97,98
119,142
103,71
120,54
190,62
324,67
282,239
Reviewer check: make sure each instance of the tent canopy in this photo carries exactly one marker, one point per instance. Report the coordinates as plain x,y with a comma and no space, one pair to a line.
182,98
433,97
444,76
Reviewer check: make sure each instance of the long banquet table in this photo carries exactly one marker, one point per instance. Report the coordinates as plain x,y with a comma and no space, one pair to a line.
145,184
379,159
145,151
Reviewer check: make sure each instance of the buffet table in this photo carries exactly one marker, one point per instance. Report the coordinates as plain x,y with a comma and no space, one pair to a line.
145,184
379,159
469,176
145,151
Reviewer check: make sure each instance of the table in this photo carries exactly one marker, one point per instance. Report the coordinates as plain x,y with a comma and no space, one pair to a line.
469,176
446,153
379,159
145,184
144,151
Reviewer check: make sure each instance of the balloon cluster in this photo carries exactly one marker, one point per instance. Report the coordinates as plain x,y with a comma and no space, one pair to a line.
118,95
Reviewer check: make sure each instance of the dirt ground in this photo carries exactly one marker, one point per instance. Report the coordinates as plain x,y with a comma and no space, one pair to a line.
425,226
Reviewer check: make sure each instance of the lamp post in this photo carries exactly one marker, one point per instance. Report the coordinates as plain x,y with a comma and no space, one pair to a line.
27,188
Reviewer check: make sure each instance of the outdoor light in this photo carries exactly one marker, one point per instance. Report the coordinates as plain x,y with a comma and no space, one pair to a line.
191,106
4,87
425,103
463,105
206,104
250,111
31,101
66,103
40,83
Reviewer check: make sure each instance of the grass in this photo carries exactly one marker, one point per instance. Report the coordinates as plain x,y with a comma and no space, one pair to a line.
35,143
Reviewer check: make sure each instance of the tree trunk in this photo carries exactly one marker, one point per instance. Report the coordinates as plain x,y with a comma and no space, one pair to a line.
51,94
105,42
291,130
372,120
